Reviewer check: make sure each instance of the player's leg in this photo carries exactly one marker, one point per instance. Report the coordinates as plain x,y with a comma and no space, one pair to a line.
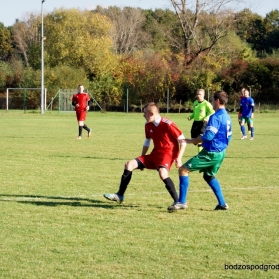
250,121
162,163
243,131
216,160
85,127
196,131
183,184
89,131
80,118
239,122
80,123
79,132
183,189
196,163
164,175
81,115
214,184
125,180
202,131
80,126
249,127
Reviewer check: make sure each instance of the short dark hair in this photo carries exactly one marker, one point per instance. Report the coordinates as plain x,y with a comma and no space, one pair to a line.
222,96
152,105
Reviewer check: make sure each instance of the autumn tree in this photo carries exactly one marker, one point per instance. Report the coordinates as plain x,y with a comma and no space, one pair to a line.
127,33
78,39
202,24
26,36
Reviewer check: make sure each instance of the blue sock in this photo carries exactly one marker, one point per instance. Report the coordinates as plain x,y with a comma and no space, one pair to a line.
252,132
216,188
183,188
243,130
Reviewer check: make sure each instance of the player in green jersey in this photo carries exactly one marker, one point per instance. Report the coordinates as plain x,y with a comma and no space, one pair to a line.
201,111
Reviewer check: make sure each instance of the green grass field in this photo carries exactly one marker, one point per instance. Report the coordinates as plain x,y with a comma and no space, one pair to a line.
55,222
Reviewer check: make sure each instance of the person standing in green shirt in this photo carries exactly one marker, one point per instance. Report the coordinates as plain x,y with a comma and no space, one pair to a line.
202,109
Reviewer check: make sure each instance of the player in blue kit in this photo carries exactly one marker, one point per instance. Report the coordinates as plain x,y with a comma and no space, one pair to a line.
247,106
214,141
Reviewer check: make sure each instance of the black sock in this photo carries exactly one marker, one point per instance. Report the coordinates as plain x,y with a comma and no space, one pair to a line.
79,131
125,179
86,128
171,188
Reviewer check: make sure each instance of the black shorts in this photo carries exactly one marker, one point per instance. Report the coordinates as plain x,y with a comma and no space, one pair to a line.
198,129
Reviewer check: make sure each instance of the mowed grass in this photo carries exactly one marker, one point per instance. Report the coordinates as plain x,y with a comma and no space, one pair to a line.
55,222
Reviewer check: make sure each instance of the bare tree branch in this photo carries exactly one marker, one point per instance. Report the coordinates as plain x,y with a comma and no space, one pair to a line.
203,23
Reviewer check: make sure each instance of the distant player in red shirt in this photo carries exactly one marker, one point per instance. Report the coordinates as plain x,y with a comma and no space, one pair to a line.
81,101
167,149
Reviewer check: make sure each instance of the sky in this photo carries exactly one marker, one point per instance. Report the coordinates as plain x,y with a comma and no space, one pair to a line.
20,9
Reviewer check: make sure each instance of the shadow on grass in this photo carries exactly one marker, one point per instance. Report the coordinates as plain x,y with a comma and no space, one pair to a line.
91,157
251,157
70,201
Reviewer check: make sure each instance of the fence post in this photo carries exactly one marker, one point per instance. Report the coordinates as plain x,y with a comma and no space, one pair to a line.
127,96
168,96
59,100
7,99
24,100
179,106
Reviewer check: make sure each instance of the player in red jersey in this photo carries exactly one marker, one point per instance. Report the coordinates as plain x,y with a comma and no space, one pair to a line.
81,101
167,149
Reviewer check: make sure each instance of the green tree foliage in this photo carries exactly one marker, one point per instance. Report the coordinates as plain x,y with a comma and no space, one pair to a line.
272,27
108,89
163,26
5,43
244,24
261,75
261,33
15,74
5,70
79,39
59,77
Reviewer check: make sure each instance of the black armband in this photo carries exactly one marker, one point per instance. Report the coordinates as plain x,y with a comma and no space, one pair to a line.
89,103
253,107
240,109
74,103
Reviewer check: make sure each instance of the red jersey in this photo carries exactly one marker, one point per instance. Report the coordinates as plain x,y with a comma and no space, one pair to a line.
164,137
82,100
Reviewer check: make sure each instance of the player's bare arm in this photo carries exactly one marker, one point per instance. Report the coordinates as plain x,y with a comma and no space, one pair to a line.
145,146
182,147
193,140
144,150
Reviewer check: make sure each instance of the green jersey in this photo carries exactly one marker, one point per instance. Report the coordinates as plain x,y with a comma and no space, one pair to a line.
201,111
